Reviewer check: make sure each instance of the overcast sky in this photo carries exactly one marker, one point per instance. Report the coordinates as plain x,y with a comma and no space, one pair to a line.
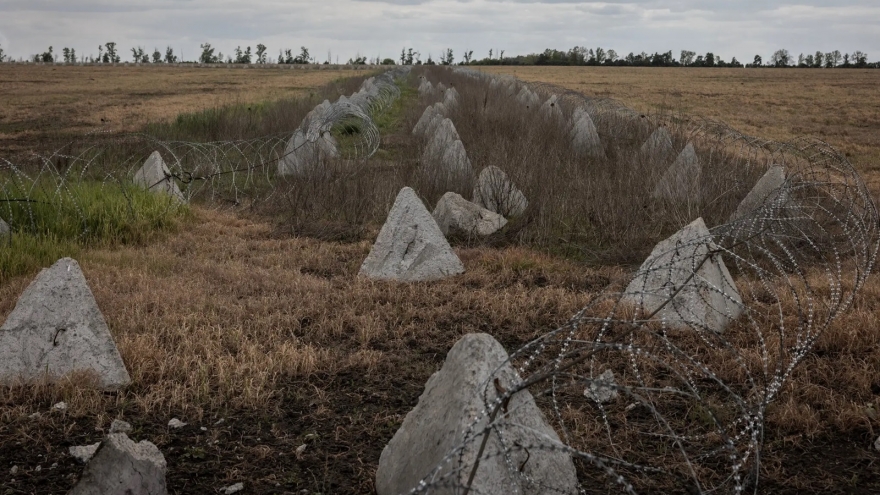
740,28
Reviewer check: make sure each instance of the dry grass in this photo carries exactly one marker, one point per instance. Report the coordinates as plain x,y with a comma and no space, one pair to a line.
841,107
228,320
234,319
41,99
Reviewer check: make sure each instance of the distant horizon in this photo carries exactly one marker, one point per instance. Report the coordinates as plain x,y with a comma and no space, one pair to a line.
345,29
127,56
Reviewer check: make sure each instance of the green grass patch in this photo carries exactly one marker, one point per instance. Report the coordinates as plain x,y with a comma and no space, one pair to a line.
56,222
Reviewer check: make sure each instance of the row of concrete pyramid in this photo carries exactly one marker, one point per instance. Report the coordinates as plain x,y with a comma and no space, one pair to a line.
687,269
312,142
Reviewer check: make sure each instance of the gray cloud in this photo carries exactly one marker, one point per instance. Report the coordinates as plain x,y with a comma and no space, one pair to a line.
369,27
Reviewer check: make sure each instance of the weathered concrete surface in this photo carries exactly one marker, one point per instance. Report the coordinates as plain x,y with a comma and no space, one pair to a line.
551,110
455,161
450,99
658,145
410,247
302,157
155,177
83,453
4,229
443,136
584,136
709,298
602,389
766,190
496,192
123,467
528,98
455,214
56,328
681,181
453,397
428,121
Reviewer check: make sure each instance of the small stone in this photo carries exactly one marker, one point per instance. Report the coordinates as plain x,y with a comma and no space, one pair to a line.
876,444
219,421
602,389
83,453
125,467
227,490
119,426
54,465
38,468
176,423
203,428
13,470
61,406
35,415
299,450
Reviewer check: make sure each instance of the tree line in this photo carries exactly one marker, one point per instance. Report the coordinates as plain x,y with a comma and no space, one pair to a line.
576,56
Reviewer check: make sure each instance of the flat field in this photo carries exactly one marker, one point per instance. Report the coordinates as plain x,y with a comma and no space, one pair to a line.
840,107
45,100
263,341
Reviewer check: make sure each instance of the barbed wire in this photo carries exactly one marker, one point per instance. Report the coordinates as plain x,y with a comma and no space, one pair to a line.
702,340
233,171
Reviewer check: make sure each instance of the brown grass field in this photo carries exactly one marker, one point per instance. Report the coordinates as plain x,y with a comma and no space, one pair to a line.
42,100
232,318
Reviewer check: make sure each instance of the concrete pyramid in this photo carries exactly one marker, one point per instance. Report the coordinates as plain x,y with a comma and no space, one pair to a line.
456,214
302,157
155,176
584,136
709,298
443,136
658,145
4,228
123,467
410,246
455,161
681,181
444,419
528,98
430,112
551,109
56,328
495,192
450,99
766,190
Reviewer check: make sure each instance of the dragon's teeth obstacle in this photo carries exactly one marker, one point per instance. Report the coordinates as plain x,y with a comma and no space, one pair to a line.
476,373
155,177
410,247
56,328
686,270
454,214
